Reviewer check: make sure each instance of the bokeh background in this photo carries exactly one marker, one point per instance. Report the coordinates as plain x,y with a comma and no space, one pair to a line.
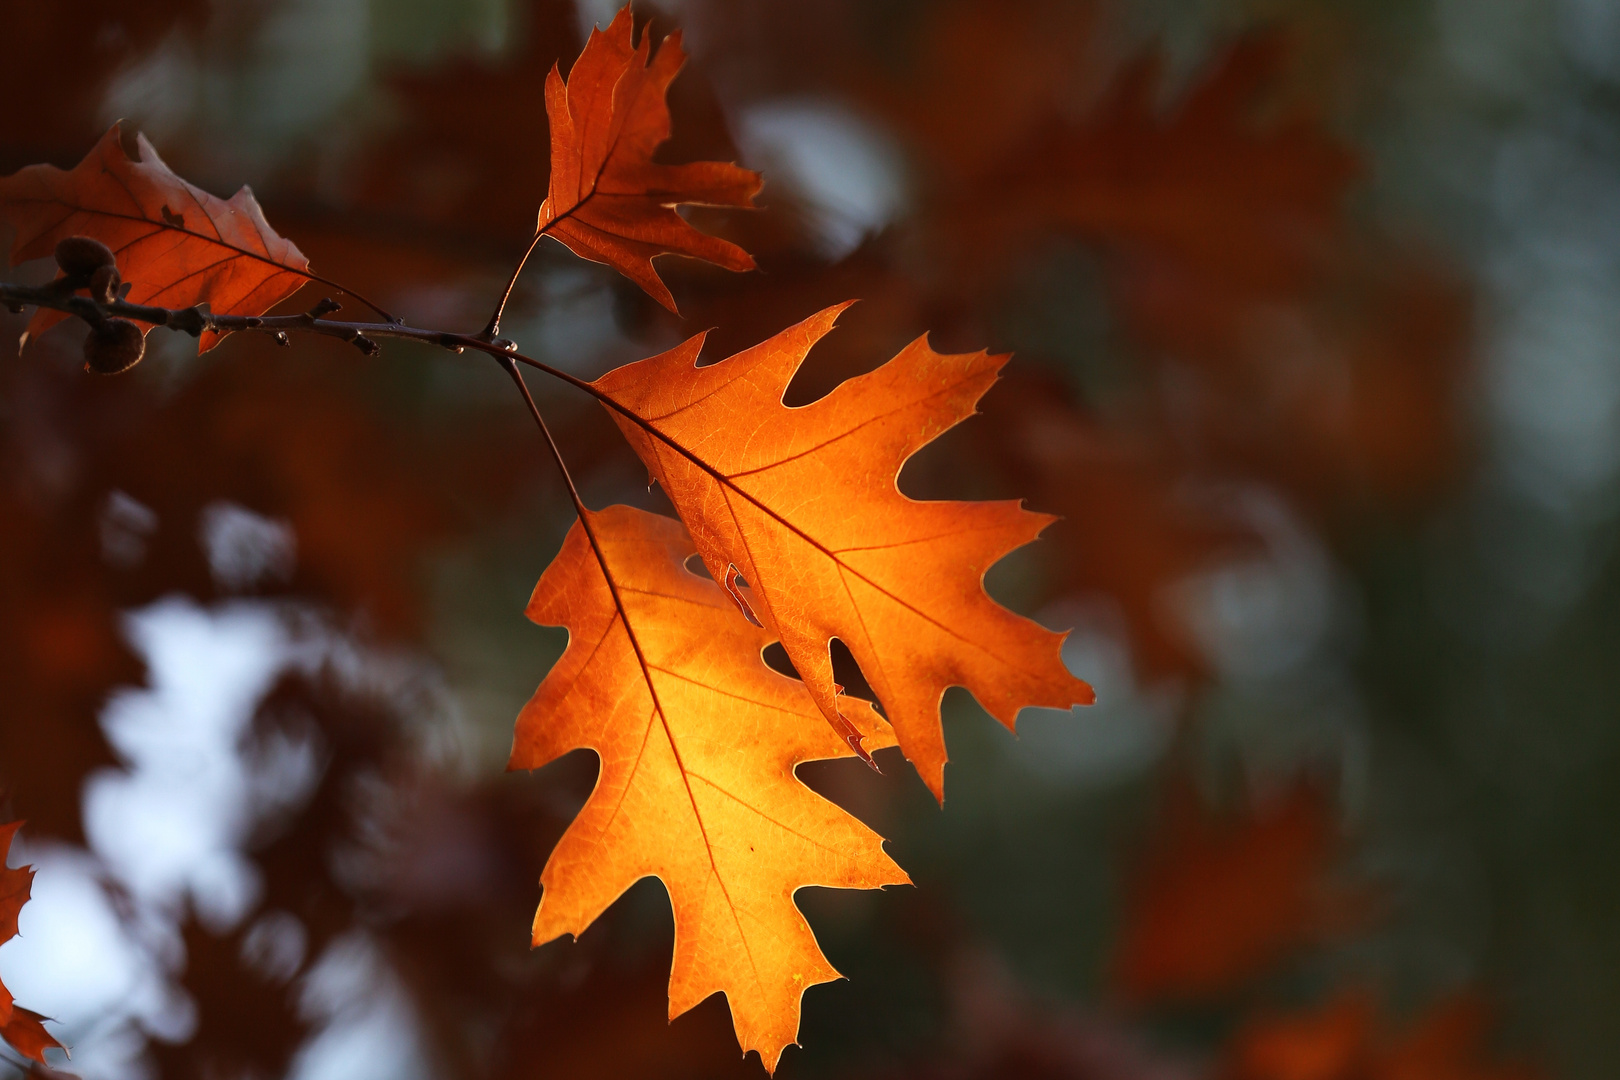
1315,310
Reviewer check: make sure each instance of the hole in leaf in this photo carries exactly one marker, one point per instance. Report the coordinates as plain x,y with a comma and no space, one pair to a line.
695,565
776,658
846,672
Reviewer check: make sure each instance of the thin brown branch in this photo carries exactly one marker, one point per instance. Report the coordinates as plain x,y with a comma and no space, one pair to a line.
197,320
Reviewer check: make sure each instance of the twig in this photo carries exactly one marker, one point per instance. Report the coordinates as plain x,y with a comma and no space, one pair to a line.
197,320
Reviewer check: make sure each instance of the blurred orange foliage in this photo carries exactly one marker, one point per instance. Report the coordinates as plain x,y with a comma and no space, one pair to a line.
1277,339
1220,900
1343,1041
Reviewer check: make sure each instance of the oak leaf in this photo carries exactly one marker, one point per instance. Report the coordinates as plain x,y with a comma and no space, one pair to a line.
20,1027
608,201
176,244
698,741
803,503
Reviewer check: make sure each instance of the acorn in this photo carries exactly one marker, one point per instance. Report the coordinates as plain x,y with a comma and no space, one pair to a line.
104,284
113,346
81,256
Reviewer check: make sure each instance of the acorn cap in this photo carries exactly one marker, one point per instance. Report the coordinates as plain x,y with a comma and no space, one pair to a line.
104,284
114,346
81,256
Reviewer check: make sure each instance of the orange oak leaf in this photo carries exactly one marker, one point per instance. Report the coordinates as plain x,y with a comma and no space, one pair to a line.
608,200
698,741
804,503
176,244
20,1027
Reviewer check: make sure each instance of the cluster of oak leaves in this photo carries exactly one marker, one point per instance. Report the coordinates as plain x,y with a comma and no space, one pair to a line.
664,676
795,515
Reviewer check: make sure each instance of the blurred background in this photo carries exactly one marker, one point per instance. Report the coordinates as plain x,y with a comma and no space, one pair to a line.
1314,314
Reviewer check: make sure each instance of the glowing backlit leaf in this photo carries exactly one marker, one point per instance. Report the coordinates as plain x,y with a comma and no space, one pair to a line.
698,741
803,503
608,200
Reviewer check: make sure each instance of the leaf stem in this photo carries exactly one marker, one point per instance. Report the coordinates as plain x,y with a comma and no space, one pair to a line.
493,328
373,305
511,368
